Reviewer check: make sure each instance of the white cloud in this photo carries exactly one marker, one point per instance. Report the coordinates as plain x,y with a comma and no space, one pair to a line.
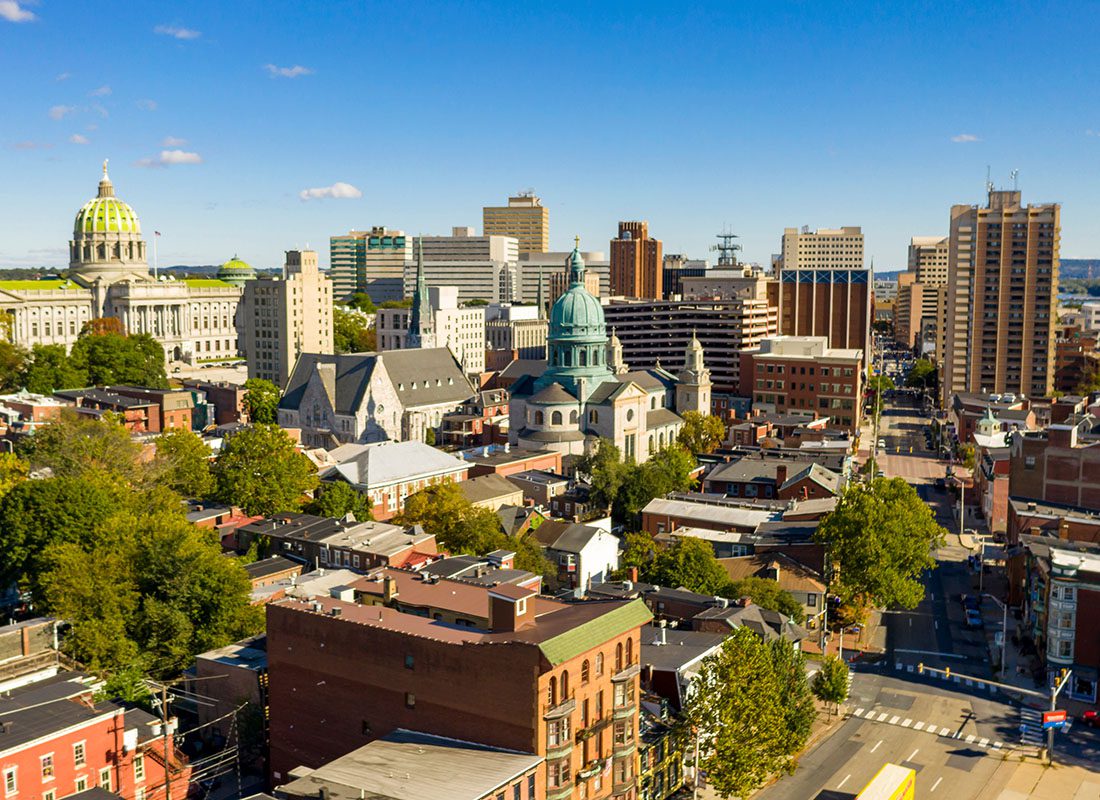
102,91
28,145
60,112
97,108
964,138
12,12
176,32
64,76
77,138
287,72
147,104
169,157
172,141
1091,132
338,190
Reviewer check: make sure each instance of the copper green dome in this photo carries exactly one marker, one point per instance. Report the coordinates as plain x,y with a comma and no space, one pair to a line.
105,213
236,272
577,314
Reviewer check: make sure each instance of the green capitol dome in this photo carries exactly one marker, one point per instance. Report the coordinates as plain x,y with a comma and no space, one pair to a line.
236,272
105,213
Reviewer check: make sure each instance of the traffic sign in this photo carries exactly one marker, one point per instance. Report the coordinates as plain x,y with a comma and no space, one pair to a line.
1054,719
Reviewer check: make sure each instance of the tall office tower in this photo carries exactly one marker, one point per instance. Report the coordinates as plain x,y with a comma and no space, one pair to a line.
524,217
1002,287
637,267
480,267
675,267
540,269
824,289
369,261
284,317
916,321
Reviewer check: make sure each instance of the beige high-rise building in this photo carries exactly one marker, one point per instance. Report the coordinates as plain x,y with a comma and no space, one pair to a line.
525,218
1002,288
284,317
916,320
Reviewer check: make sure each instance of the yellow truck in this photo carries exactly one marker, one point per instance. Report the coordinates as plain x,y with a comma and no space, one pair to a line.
892,782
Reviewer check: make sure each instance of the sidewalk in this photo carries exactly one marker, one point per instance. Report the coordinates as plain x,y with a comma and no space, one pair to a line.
1031,781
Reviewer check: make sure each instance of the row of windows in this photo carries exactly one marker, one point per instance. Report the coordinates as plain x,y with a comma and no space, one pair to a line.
46,762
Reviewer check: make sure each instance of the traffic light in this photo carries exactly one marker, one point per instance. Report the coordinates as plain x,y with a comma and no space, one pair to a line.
920,668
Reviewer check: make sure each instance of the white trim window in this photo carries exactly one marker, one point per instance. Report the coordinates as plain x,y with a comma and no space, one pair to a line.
11,781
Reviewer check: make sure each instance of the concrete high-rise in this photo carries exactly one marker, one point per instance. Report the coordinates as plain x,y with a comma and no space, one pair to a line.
1002,288
371,261
281,318
637,265
824,288
480,267
539,269
524,217
916,322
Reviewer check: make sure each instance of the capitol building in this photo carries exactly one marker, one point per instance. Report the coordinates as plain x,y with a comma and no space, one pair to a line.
109,277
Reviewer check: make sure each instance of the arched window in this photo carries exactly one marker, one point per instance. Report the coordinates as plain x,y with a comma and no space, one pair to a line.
103,252
552,692
599,664
619,657
661,438
572,417
593,416
564,685
566,359
583,358
629,652
651,443
555,418
584,671
539,419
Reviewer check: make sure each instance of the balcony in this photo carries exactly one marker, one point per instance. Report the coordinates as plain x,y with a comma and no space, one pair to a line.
561,709
560,793
627,673
624,712
592,729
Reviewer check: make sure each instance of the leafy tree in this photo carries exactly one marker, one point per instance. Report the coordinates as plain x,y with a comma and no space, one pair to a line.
880,538
605,470
13,471
639,551
115,358
74,445
922,374
880,383
12,362
766,593
968,456
183,463
830,684
747,736
49,370
101,326
406,303
689,563
477,301
149,590
260,470
337,499
626,487
701,433
429,437
361,302
262,401
352,332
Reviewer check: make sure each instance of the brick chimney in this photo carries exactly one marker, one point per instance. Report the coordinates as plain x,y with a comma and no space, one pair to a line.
780,475
389,589
510,608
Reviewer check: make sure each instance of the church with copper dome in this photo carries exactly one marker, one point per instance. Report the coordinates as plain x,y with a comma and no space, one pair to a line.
587,393
109,277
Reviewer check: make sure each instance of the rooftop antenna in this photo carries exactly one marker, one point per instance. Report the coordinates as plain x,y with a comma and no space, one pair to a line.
988,180
1014,174
726,249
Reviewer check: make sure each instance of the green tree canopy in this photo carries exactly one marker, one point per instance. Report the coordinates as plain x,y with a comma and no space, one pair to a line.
75,445
183,463
361,302
880,383
13,471
337,499
747,736
689,563
881,538
830,684
352,332
262,401
922,374
115,358
48,370
766,593
260,470
12,363
702,433
627,487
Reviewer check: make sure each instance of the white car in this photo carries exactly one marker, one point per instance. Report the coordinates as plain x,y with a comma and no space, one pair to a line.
881,444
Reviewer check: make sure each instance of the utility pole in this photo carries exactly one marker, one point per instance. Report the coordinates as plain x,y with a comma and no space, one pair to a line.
1004,630
167,728
1056,689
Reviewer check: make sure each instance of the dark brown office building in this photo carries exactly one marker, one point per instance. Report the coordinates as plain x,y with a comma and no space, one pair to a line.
636,262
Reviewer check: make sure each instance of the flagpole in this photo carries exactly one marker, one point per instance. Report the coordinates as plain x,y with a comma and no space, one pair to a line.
156,236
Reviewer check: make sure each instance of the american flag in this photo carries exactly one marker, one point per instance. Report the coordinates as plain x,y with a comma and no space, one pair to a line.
156,233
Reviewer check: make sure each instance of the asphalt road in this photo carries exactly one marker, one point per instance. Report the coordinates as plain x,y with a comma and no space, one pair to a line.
892,710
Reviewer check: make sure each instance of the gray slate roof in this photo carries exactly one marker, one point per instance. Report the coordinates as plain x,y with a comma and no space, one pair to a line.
659,417
570,537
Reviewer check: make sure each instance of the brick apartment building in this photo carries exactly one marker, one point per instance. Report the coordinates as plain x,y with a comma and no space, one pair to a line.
1058,465
637,265
138,416
523,672
57,740
176,405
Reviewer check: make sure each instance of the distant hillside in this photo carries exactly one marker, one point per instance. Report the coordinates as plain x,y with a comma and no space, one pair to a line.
1079,268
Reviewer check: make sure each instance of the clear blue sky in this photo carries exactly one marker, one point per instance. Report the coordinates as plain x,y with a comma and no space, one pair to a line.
692,116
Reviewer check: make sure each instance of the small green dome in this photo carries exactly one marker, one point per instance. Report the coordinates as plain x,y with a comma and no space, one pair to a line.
236,271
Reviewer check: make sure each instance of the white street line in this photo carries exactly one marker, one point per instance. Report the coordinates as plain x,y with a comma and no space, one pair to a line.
841,784
944,732
937,783
873,749
918,726
858,712
905,723
969,738
996,745
882,717
913,754
983,742
894,720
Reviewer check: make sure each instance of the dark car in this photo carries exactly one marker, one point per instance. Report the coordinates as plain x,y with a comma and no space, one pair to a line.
1090,718
974,619
971,602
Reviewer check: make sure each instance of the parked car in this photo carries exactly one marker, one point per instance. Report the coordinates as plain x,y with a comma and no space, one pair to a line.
971,602
974,619
1091,718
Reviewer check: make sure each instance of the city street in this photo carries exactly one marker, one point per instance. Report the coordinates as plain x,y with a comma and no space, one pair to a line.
956,736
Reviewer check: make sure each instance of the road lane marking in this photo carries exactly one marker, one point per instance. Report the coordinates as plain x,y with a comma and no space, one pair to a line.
919,726
937,783
841,784
913,754
983,742
944,732
873,749
894,720
858,712
882,717
969,738
996,745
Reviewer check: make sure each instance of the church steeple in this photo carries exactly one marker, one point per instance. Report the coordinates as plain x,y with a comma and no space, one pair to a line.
693,384
540,302
615,355
421,327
